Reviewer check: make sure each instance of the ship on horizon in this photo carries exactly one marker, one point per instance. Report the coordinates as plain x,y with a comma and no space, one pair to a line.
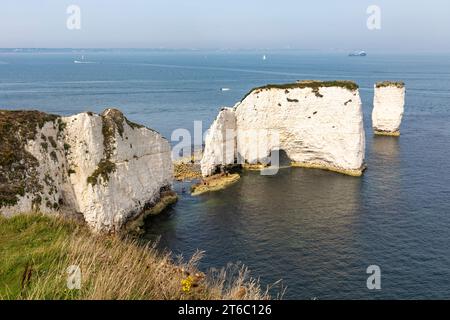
360,53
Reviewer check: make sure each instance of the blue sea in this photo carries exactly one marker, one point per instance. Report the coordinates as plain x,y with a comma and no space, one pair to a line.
317,231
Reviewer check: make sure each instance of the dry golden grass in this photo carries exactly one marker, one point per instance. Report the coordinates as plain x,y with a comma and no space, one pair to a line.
35,267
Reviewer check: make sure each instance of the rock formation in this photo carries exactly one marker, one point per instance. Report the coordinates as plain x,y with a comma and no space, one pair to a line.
220,143
103,166
317,124
388,107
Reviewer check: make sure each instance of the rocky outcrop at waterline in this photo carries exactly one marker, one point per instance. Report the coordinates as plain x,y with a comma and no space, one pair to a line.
317,125
105,167
214,183
388,108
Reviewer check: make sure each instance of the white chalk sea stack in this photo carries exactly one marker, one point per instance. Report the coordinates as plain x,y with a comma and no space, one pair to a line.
317,124
103,166
388,108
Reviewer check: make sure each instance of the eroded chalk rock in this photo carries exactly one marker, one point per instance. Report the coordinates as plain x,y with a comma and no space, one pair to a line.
388,108
317,124
103,166
220,143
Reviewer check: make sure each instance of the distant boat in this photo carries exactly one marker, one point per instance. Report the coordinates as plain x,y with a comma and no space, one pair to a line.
225,89
81,61
264,57
358,54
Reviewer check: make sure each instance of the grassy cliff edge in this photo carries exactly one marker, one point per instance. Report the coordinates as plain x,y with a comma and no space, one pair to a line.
37,250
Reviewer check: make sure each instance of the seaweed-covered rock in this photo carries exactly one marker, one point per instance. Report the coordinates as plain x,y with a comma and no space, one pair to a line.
102,166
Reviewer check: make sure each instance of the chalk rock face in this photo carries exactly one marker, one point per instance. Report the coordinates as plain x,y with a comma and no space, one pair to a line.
103,166
388,108
317,124
220,143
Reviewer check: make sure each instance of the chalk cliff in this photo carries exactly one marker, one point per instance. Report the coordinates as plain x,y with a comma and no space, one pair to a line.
317,124
220,143
388,108
103,166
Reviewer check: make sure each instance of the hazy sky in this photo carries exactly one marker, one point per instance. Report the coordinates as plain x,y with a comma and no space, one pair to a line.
413,25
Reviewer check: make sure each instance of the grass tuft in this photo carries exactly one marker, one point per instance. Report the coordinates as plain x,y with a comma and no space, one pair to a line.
104,168
384,84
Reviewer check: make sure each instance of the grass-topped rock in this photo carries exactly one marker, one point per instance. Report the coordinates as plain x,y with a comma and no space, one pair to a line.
388,108
316,123
103,166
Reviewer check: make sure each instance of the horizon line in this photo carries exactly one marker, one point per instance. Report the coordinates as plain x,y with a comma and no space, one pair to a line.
224,49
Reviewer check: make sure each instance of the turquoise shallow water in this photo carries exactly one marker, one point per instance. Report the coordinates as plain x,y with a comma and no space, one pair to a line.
318,231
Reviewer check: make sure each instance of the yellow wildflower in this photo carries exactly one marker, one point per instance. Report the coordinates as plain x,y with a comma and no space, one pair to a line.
186,284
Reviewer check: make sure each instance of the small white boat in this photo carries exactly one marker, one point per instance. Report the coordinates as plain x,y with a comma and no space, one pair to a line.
81,61
264,57
225,89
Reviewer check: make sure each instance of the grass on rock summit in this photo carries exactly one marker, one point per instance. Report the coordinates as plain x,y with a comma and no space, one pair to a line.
384,84
315,85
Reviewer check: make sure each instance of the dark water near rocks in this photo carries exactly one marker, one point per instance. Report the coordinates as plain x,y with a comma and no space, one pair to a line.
318,231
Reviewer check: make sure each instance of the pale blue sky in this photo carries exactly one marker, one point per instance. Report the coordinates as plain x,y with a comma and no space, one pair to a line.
412,25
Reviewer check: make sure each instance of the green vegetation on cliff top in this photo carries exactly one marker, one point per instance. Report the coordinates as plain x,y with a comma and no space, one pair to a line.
36,251
384,84
315,85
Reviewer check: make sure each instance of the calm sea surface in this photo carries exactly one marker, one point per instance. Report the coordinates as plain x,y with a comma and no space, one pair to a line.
318,231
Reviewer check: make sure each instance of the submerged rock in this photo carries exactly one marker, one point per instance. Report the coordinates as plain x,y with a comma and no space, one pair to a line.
214,183
103,166
316,124
388,108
